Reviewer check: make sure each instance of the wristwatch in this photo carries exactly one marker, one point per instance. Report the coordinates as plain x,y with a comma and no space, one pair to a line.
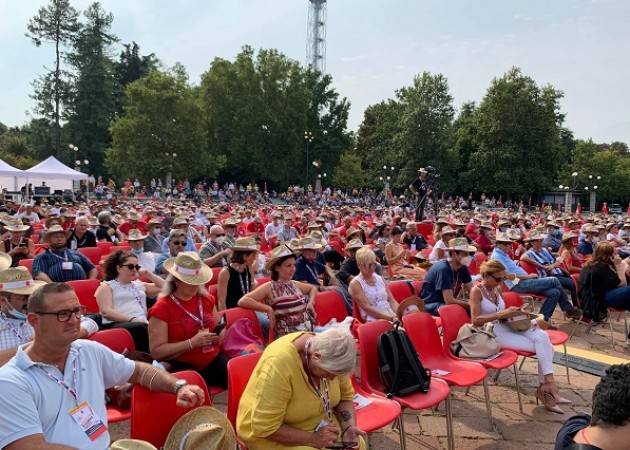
178,385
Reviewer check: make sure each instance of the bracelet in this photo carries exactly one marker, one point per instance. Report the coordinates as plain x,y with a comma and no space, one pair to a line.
190,344
151,380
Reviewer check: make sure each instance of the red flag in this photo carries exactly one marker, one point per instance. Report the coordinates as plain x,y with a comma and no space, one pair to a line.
578,210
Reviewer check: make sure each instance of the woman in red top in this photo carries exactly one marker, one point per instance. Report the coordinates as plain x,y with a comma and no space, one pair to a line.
182,321
569,256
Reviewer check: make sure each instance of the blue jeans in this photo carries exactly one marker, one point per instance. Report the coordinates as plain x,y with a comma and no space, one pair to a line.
432,308
551,289
619,298
263,319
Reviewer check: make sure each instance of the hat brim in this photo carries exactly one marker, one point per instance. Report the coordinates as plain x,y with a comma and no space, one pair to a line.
25,290
196,417
137,238
17,229
315,247
245,249
205,273
469,249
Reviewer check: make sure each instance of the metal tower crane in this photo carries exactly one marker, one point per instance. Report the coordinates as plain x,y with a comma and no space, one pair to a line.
316,35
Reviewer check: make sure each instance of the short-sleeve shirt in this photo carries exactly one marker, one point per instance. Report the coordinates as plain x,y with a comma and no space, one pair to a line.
307,272
32,403
103,233
182,327
442,276
51,264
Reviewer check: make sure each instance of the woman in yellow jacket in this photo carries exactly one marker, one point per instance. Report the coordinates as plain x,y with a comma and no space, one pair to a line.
299,396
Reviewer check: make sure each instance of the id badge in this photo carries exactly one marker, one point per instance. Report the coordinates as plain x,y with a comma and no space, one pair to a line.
86,418
322,424
66,265
412,247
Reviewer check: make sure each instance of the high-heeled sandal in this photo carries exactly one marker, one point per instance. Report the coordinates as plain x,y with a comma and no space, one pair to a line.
547,399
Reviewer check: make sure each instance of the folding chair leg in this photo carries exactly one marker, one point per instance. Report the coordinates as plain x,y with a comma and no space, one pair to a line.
612,337
496,376
566,363
522,362
625,326
518,389
401,433
449,424
467,390
486,392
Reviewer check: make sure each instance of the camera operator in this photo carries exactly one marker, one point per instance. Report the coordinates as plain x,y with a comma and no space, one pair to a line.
422,189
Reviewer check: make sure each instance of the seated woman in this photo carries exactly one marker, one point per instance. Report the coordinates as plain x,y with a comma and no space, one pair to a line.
300,395
439,251
569,257
237,279
397,256
182,320
487,305
122,297
284,300
17,246
369,291
603,281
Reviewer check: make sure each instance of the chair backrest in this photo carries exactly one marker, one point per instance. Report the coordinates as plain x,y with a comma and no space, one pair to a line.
400,290
234,314
153,414
528,267
116,339
453,318
512,299
368,339
105,246
85,290
356,311
213,289
215,276
477,260
262,280
329,305
424,336
239,371
425,229
28,263
92,253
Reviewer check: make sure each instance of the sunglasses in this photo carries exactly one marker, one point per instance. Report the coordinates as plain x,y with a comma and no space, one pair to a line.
498,279
179,243
131,266
219,235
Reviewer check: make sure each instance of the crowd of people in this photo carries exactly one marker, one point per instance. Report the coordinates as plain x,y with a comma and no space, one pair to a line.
273,259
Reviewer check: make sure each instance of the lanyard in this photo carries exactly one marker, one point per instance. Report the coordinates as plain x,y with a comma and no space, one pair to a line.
323,394
244,286
72,391
65,255
198,320
13,328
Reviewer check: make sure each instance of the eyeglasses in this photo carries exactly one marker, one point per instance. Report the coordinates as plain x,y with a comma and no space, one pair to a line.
498,279
179,243
219,235
131,266
65,314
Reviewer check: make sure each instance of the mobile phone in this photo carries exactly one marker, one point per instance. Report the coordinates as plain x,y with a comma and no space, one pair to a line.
344,445
220,326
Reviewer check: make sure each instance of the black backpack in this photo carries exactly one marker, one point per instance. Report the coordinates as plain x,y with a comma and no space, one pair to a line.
401,370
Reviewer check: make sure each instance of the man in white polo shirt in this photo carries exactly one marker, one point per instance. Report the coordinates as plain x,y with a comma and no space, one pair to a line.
53,389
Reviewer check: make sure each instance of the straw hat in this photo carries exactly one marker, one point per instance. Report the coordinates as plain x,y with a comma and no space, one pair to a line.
460,245
154,223
189,268
514,234
53,230
313,225
352,231
307,243
180,221
441,221
534,236
230,222
136,235
486,225
245,244
133,215
411,224
317,236
16,280
354,244
447,230
277,253
202,428
131,444
15,226
568,236
502,237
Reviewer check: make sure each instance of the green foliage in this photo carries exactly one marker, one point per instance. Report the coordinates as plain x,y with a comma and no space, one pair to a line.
348,173
130,67
161,117
15,150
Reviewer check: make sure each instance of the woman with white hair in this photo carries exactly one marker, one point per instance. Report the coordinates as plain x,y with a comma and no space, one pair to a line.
106,230
300,395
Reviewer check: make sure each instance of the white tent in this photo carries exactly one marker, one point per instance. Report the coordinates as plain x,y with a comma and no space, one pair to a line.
55,174
9,176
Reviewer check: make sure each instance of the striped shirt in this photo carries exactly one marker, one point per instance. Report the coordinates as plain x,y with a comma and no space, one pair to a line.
544,258
51,263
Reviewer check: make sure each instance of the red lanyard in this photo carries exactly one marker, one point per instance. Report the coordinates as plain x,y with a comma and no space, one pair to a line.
13,328
73,391
198,320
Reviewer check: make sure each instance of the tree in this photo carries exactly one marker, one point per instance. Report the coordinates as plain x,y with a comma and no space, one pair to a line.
162,117
131,66
15,149
92,103
58,24
348,173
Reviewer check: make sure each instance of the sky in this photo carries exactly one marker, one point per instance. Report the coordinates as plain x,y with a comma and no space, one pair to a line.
374,47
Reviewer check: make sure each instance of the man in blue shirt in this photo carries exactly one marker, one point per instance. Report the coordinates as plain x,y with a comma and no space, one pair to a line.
307,267
445,279
58,263
553,239
521,282
587,240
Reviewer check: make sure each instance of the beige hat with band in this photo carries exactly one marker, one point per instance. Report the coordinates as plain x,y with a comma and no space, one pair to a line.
277,253
18,280
136,235
354,244
132,444
460,245
189,268
202,428
246,244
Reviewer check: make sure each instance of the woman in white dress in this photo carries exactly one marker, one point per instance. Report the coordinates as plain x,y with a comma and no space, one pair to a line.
487,305
439,251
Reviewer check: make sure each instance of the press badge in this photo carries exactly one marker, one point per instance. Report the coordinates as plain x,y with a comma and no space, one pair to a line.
86,418
66,265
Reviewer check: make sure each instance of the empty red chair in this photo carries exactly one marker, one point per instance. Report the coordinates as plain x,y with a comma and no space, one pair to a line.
92,253
233,314
39,248
116,339
153,414
425,337
215,276
105,246
379,413
425,229
372,383
239,370
85,290
329,305
28,263
453,318
401,290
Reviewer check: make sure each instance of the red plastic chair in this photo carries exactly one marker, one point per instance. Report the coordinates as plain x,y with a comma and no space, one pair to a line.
212,290
453,318
85,290
425,229
528,267
556,337
378,414
239,370
262,280
116,339
39,248
372,383
234,314
329,305
28,263
425,337
476,263
105,247
94,254
153,414
215,276
400,290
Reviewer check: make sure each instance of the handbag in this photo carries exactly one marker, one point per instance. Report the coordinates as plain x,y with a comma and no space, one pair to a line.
240,339
475,342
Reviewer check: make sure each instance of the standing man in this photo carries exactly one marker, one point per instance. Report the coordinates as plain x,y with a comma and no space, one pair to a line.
53,389
420,188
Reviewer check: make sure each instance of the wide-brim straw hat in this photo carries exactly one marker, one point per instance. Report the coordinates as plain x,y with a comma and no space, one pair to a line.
514,234
16,226
5,261
441,221
353,244
534,236
307,243
154,223
180,221
231,222
317,236
136,235
53,230
202,428
314,225
277,253
503,237
568,236
133,215
447,230
487,226
16,280
460,245
132,444
352,231
246,244
189,268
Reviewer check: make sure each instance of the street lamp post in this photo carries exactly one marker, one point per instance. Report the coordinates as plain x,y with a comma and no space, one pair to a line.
77,166
308,138
169,175
593,182
386,176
